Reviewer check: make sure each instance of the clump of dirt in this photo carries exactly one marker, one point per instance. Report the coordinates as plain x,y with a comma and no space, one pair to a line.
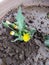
21,53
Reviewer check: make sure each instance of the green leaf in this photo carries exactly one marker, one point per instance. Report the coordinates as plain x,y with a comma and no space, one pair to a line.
12,25
16,34
46,42
48,15
20,19
46,37
32,31
5,24
17,39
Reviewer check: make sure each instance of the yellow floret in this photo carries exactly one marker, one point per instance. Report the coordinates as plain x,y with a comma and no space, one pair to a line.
15,26
12,33
26,37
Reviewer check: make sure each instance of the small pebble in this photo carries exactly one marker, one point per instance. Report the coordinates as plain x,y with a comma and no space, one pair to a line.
47,62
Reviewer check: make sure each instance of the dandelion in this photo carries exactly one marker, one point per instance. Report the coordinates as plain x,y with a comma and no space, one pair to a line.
26,37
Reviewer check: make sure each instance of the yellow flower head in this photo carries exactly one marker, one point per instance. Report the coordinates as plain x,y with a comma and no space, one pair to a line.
15,26
8,22
26,37
12,33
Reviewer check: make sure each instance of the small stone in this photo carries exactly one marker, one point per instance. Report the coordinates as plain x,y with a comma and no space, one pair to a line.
0,45
47,62
7,50
17,51
48,15
0,32
39,62
5,45
21,56
14,62
2,49
48,25
16,56
0,25
4,55
11,54
1,62
1,55
8,60
4,31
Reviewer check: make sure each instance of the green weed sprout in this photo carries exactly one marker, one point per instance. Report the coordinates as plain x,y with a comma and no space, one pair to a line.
19,29
46,40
